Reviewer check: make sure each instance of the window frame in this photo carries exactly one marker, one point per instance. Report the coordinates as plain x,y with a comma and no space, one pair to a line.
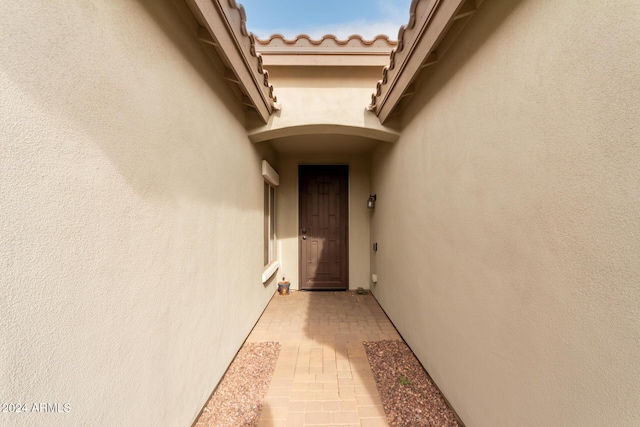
269,231
270,238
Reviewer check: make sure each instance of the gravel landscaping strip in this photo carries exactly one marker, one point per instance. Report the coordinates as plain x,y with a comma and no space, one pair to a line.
237,401
408,394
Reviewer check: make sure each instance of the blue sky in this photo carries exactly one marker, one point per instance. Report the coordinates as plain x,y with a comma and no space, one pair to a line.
317,18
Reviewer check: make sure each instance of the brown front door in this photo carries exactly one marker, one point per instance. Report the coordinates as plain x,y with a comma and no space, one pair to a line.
324,227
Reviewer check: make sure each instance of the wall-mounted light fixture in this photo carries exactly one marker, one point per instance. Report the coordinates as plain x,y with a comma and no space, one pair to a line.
371,202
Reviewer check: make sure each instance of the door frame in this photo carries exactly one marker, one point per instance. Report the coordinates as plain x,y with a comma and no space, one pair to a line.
345,255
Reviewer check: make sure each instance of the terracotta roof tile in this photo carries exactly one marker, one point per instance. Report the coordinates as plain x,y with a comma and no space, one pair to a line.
240,17
303,40
327,51
403,36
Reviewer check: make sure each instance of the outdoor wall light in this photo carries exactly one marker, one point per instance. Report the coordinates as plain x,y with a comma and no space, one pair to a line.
371,202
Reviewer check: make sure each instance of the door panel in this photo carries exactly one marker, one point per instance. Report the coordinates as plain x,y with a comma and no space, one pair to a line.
324,227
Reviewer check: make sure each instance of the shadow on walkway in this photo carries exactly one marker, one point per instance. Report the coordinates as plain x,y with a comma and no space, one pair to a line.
323,375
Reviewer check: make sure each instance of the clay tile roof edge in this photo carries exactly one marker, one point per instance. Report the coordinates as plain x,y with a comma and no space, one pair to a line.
338,42
251,39
413,8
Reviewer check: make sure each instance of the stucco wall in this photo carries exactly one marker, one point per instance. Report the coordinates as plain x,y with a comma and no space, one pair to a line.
131,224
508,217
325,121
359,216
323,100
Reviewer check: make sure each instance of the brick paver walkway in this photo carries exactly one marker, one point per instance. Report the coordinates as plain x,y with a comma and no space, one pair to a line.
323,376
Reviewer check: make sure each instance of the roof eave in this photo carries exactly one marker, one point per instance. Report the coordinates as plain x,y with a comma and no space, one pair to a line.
420,45
327,51
223,26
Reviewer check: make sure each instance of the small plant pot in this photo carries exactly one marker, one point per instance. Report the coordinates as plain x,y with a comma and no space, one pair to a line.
283,288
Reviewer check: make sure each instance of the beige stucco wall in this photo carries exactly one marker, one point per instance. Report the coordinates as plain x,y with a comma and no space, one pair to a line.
508,217
323,120
359,216
323,100
131,224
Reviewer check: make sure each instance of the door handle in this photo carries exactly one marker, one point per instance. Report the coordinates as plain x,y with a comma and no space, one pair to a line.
304,237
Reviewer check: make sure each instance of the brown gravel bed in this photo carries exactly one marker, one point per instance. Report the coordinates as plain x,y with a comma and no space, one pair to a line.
237,401
408,395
